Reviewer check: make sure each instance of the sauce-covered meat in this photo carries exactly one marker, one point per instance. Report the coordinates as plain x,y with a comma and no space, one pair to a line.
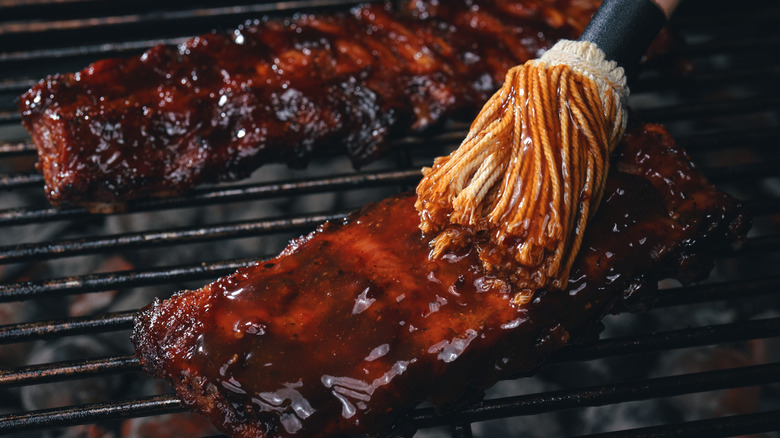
278,90
351,326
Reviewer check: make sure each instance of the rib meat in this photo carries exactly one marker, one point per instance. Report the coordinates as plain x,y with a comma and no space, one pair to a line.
351,326
278,90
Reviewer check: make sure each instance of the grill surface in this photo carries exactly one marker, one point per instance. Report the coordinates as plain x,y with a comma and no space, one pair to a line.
70,282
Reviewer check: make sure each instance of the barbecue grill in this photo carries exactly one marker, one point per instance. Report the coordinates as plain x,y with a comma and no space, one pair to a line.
702,361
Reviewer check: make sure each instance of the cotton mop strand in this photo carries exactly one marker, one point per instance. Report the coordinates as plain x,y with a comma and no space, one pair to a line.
532,169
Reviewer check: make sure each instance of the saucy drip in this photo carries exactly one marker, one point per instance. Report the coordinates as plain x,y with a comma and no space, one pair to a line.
353,325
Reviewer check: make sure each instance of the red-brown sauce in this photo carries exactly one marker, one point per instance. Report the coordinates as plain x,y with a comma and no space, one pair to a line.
276,90
353,325
358,318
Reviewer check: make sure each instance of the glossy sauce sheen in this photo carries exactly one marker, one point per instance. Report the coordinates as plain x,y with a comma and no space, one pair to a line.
278,90
353,325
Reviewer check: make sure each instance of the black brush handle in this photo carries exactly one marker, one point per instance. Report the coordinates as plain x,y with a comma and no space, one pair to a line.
624,29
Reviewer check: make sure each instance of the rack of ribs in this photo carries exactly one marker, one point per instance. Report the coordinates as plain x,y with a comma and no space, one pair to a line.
351,326
220,105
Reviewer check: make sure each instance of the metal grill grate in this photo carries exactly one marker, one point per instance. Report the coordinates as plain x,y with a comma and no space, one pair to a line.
725,112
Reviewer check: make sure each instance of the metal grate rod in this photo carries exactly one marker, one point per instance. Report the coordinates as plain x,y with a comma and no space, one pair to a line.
603,395
428,417
20,216
702,293
670,340
40,330
227,194
167,17
16,3
124,48
117,280
733,425
126,279
68,248
11,182
725,46
56,372
453,134
762,137
732,138
50,418
119,321
761,244
688,110
752,171
16,148
718,78
604,348
698,110
760,207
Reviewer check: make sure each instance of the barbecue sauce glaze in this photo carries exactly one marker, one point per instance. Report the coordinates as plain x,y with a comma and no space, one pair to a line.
220,105
351,326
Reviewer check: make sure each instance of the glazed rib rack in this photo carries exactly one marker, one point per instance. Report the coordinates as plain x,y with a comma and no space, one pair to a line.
70,282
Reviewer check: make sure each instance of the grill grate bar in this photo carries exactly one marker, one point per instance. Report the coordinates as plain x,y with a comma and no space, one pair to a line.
124,320
732,45
769,243
68,248
603,395
427,417
124,48
72,326
10,149
122,279
761,137
17,3
453,135
758,207
750,75
690,16
709,292
733,425
603,348
203,271
20,216
763,169
744,137
699,110
12,182
735,138
56,372
646,84
686,110
669,340
168,17
223,195
50,418
17,148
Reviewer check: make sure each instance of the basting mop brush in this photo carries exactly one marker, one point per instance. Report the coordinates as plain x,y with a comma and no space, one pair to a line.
531,170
